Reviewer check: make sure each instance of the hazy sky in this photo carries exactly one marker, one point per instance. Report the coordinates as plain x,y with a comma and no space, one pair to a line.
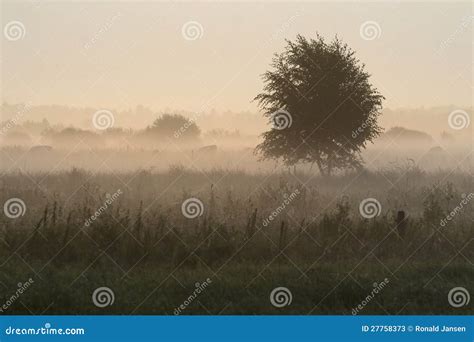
121,54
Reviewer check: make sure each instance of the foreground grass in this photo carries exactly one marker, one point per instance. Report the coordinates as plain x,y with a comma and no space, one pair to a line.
319,246
245,289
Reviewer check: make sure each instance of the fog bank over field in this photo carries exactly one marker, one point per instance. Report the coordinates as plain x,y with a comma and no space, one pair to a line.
35,137
432,120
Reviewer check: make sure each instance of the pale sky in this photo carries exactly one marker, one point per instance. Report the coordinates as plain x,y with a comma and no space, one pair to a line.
121,54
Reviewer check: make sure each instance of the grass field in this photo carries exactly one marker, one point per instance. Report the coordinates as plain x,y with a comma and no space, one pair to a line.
317,244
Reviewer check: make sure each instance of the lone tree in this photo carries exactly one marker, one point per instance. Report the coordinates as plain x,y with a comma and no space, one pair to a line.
321,104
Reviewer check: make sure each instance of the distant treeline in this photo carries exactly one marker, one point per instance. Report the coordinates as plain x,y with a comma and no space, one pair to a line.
167,128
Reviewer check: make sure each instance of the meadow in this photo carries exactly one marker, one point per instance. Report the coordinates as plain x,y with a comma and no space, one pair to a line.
126,230
204,158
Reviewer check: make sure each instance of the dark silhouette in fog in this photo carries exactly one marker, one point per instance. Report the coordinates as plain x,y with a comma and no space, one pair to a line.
324,94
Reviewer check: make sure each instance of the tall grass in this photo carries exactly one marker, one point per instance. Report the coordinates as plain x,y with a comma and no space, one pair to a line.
320,233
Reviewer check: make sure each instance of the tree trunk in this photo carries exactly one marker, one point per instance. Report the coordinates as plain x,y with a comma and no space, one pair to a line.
320,166
330,166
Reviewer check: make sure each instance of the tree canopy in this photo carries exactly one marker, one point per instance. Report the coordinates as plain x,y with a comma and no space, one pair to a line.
174,126
322,106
